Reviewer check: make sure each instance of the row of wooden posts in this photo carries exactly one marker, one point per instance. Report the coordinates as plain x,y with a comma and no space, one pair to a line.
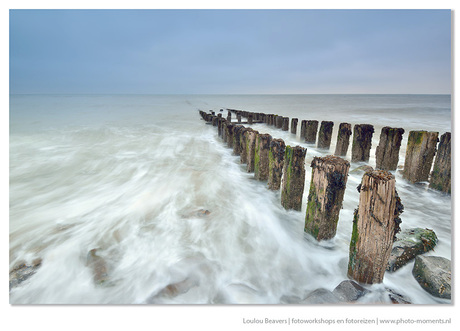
376,221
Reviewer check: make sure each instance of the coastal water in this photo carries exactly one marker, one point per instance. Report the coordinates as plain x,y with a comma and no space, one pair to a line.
130,177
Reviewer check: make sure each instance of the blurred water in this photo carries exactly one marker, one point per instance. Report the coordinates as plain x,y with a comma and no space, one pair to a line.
131,176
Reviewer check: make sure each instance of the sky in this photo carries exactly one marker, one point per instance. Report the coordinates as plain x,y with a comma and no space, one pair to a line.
230,51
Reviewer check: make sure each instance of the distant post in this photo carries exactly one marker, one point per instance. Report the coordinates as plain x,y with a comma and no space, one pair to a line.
276,162
387,152
343,139
261,152
293,180
420,151
325,134
294,125
362,142
440,177
311,131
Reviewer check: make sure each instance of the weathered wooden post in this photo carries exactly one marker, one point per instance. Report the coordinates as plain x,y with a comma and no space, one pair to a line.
279,122
229,134
219,126
224,129
275,120
387,152
285,123
327,188
243,150
214,120
229,116
276,162
303,129
294,125
238,117
251,136
261,156
250,118
236,139
440,177
325,134
420,151
311,131
375,224
293,180
362,142
343,139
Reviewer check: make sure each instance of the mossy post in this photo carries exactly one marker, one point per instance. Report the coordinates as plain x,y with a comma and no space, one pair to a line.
343,139
229,134
440,177
327,188
303,129
375,224
420,151
294,125
275,163
250,118
362,142
261,162
236,139
285,123
325,134
310,131
224,129
279,122
251,137
243,145
387,152
220,126
293,180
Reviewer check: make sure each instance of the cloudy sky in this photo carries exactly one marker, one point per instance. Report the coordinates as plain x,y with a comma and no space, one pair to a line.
230,51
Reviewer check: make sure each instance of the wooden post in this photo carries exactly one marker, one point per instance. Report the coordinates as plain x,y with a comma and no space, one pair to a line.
303,129
387,152
375,224
293,180
420,151
275,120
279,122
219,125
343,139
285,123
250,118
276,162
325,134
251,136
243,150
236,139
261,156
229,134
224,129
362,142
327,188
311,131
440,177
214,120
238,117
294,125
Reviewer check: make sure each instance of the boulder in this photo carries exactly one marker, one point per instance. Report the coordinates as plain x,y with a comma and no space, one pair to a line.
320,296
397,298
98,266
433,273
23,271
408,244
349,291
363,168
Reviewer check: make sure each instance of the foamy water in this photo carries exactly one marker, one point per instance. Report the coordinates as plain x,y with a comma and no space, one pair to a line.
131,176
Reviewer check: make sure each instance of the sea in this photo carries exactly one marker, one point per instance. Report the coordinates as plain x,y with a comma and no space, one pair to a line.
142,188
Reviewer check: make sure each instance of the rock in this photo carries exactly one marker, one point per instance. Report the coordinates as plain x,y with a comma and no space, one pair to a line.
349,291
320,296
364,168
408,244
23,271
98,266
397,298
433,273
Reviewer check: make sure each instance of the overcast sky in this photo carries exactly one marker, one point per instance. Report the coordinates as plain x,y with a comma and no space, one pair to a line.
230,51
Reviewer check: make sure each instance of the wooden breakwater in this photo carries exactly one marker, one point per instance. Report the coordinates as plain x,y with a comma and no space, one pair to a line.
426,160
283,167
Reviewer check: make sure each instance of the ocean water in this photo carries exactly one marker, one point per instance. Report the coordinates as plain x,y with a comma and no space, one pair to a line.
128,177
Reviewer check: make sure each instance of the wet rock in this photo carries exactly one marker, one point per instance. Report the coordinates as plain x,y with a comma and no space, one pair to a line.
433,273
320,296
98,266
349,291
410,243
397,298
23,271
364,168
